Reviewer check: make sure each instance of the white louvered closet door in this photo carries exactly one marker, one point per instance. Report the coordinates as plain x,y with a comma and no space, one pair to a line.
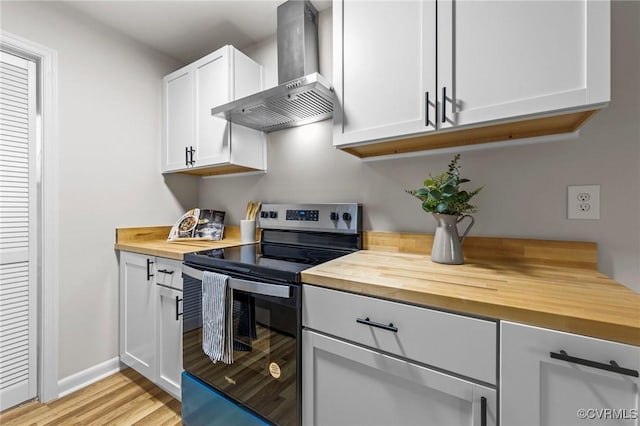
18,239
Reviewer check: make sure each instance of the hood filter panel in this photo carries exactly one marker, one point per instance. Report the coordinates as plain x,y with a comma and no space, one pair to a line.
299,102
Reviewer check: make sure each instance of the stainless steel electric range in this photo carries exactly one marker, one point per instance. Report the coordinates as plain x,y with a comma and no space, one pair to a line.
262,385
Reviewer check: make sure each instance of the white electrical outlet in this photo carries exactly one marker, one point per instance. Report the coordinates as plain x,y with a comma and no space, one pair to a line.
583,202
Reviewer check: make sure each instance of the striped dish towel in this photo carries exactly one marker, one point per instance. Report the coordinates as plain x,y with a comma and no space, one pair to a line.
217,317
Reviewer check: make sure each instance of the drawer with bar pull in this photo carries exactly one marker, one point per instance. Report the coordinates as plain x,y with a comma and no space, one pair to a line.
463,345
169,273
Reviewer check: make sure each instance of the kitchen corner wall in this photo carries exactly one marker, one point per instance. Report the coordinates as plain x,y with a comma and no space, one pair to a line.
525,187
109,109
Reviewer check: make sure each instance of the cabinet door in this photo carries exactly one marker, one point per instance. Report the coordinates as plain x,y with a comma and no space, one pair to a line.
169,339
537,389
248,145
504,59
384,69
345,384
178,134
213,88
137,313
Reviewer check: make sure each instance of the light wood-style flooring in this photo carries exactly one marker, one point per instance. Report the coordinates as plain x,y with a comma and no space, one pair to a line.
125,398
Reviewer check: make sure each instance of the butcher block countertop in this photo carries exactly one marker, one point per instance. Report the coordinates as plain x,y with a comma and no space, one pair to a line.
552,284
153,241
546,290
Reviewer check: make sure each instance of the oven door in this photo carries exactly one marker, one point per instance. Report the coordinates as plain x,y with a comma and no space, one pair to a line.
264,375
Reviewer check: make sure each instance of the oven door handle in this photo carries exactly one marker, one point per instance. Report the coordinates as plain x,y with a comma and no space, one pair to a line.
254,287
263,289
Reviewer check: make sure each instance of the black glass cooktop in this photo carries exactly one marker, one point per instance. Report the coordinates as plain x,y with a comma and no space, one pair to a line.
280,262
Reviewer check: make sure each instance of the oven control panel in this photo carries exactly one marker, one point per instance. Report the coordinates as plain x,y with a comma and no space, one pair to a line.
309,215
339,217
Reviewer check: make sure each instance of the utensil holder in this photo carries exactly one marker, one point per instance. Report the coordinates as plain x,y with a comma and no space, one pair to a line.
247,231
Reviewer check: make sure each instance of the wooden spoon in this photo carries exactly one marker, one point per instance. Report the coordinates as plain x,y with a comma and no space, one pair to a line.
256,210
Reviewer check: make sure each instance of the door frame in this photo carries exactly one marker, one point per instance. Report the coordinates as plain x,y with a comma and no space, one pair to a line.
46,60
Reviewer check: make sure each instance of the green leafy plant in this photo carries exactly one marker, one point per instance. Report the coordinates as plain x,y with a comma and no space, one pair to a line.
442,193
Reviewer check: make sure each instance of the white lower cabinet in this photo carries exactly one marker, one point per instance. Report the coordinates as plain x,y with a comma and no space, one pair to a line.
554,378
169,339
137,313
370,372
427,336
150,318
346,384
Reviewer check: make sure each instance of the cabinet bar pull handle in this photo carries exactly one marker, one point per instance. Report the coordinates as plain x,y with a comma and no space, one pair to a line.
149,274
444,104
186,156
426,109
178,313
612,366
483,411
191,151
367,321
166,271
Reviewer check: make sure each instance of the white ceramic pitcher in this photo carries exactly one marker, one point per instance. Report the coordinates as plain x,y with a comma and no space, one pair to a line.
447,244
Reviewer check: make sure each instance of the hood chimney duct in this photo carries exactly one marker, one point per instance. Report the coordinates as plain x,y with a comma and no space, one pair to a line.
297,37
302,95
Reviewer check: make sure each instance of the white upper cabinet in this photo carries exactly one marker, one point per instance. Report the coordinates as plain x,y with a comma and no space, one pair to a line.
501,59
211,75
387,63
194,141
178,93
417,68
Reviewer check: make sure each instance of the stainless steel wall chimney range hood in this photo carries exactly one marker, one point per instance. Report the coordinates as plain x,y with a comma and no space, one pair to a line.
302,96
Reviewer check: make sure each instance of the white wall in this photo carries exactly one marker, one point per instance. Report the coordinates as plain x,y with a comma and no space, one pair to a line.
525,187
109,166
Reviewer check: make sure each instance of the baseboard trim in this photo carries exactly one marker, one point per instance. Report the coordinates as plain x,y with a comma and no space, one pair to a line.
86,377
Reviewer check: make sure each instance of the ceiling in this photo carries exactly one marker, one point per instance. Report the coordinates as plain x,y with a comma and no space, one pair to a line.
188,30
